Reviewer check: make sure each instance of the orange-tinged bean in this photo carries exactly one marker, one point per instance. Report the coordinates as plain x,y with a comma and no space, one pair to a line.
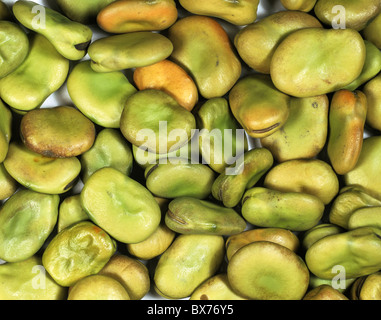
347,119
123,16
171,78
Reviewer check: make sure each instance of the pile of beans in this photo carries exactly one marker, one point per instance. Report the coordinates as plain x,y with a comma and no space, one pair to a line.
201,150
